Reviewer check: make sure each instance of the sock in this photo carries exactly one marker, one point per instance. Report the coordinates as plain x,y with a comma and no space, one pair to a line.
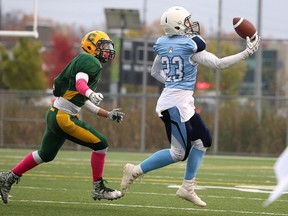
193,163
29,162
137,171
188,183
157,160
97,165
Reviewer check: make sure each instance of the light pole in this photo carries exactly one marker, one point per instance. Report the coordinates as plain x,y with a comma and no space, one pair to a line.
258,69
144,82
218,78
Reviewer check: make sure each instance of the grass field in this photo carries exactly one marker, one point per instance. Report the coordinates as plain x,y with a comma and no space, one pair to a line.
230,186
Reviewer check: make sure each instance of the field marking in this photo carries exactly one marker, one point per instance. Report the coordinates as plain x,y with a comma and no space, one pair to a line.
242,188
10,154
171,183
145,180
177,186
153,207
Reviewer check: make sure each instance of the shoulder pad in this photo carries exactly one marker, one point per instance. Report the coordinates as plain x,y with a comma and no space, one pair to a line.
201,44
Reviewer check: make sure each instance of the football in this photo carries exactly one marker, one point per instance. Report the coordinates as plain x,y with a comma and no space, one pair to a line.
244,27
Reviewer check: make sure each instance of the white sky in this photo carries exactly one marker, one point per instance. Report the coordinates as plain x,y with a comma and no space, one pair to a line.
90,13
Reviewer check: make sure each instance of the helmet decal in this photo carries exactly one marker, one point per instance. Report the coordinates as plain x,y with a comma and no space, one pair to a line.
98,44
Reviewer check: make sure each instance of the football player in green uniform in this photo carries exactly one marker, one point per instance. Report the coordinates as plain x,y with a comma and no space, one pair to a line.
74,88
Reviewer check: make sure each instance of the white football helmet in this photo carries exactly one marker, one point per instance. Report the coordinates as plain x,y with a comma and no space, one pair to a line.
176,21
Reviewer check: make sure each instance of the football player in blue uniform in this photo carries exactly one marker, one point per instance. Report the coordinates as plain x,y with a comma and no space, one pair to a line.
179,52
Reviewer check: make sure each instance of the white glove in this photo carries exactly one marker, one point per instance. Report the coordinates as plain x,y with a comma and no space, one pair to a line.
252,45
96,98
115,115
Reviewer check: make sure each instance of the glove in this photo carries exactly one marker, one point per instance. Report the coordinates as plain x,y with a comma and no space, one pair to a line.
115,115
252,45
96,98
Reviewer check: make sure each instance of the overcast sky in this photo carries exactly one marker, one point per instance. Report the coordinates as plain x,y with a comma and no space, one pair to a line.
90,13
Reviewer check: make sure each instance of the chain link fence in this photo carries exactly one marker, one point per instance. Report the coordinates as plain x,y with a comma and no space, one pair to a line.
241,132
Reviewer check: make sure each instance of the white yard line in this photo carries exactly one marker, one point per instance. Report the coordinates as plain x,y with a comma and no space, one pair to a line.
154,207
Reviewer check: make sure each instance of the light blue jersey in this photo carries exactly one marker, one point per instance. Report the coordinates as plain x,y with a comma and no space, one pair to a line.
175,52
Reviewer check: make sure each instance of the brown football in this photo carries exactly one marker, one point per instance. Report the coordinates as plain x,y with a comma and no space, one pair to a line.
244,27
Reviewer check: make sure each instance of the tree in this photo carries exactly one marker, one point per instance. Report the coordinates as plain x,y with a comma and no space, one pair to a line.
231,77
24,69
3,57
58,56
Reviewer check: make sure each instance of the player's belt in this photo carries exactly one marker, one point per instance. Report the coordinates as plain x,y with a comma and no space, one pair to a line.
74,115
66,106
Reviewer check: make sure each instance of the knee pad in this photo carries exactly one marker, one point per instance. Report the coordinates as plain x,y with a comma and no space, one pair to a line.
177,154
177,134
198,144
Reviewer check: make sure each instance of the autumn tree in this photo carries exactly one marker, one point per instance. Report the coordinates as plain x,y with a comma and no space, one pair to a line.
58,55
24,69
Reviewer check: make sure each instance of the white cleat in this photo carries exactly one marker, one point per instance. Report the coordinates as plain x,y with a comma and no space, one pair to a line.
190,195
130,173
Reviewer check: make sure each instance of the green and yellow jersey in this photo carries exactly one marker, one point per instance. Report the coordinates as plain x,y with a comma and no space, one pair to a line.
65,82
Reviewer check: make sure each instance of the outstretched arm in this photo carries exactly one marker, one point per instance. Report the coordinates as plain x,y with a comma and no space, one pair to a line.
115,114
210,60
